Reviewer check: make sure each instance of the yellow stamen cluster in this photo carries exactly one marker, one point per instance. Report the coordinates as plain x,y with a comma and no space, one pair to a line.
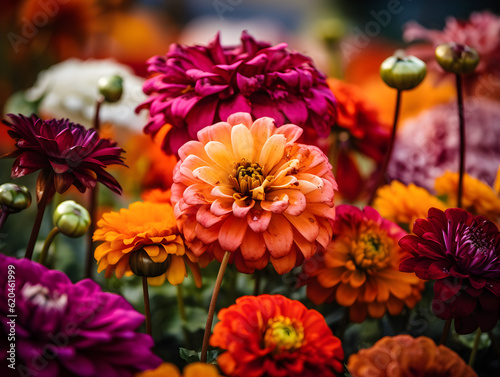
249,180
372,250
284,334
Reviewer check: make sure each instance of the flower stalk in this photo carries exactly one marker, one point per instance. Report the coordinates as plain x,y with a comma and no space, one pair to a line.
475,347
3,217
48,241
147,310
446,330
381,177
39,215
461,168
211,309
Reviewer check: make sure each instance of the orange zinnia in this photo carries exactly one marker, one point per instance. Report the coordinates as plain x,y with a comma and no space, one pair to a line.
359,268
191,370
249,188
403,355
271,335
147,226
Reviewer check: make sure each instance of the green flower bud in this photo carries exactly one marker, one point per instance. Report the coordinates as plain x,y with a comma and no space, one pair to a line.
457,58
14,198
111,87
402,72
71,219
141,264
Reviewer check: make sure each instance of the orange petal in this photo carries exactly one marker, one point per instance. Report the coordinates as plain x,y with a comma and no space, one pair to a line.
285,264
253,246
306,224
176,270
346,295
329,277
278,236
221,155
157,280
272,152
317,293
242,143
376,309
232,232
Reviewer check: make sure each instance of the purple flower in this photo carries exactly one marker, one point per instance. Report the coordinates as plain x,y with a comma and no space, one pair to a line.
195,86
462,253
66,329
75,155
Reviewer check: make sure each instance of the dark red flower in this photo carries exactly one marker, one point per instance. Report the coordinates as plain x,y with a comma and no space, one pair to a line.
462,253
75,155
196,86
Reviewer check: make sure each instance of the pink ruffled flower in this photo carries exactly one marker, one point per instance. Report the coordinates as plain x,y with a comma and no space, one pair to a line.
248,188
481,31
194,86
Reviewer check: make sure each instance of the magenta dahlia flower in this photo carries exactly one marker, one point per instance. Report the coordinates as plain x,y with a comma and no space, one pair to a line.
461,252
196,86
65,329
76,155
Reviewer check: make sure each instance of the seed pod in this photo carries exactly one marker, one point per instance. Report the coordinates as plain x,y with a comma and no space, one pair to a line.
141,264
71,219
457,58
402,72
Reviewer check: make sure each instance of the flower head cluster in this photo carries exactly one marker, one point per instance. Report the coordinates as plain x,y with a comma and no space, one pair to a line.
75,155
403,204
427,146
66,329
403,355
478,198
461,252
143,226
359,131
194,86
359,268
274,336
248,188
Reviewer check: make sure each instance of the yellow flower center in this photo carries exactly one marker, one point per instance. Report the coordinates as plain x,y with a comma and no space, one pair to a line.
284,334
372,249
249,180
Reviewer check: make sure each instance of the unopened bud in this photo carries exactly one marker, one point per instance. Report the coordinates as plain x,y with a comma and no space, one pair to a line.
402,72
111,87
14,198
141,264
71,219
457,58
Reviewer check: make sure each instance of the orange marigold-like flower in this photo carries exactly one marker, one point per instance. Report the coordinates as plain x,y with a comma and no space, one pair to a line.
271,335
147,226
359,268
405,356
191,370
248,188
403,204
478,197
157,196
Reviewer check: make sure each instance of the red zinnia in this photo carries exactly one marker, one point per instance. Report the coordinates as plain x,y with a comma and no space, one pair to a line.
462,253
194,86
274,336
75,155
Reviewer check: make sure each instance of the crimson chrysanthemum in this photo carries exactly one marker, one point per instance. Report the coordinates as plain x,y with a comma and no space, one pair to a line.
248,188
271,336
359,268
194,86
461,252
74,155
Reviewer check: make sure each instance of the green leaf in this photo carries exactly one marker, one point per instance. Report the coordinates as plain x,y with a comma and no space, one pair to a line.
191,356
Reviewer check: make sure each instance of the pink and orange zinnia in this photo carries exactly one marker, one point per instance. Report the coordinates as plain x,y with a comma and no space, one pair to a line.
248,188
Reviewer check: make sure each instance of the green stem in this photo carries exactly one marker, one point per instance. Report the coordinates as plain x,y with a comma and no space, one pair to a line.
3,216
39,216
211,309
381,178
475,347
89,256
182,314
48,241
446,330
147,310
461,168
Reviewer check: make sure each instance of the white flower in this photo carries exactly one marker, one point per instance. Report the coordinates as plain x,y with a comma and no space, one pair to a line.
69,90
